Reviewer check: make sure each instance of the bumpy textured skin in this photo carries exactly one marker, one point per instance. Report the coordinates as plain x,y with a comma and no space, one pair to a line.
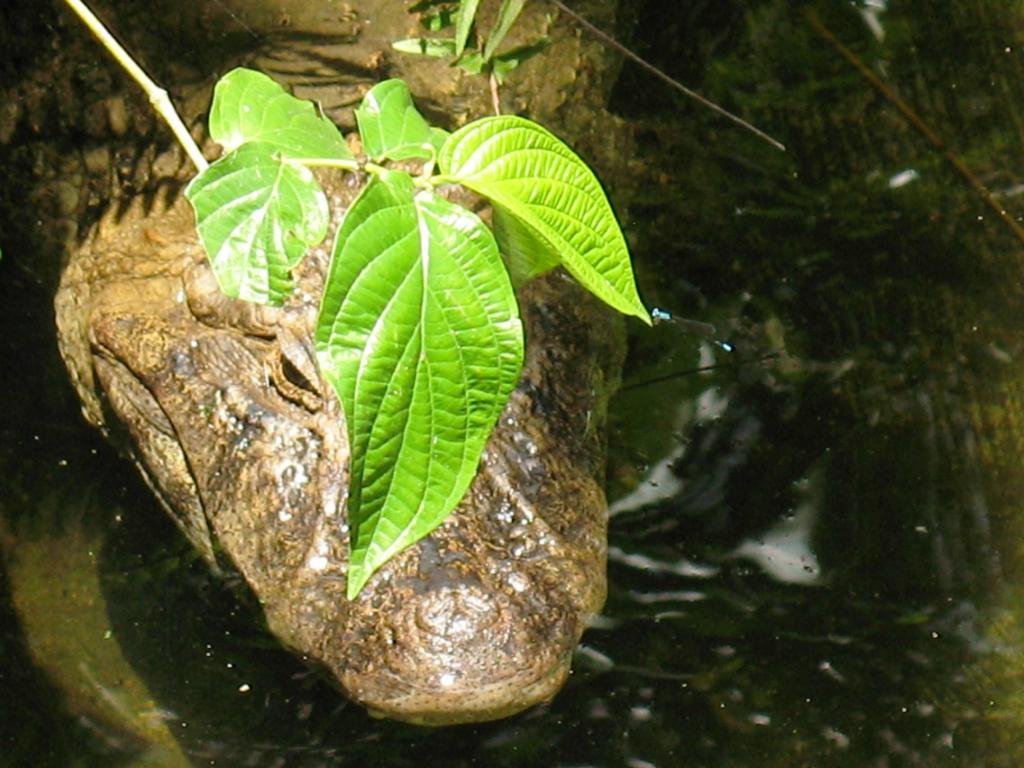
232,426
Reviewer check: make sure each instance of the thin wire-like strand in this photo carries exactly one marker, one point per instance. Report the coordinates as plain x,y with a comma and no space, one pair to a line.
604,36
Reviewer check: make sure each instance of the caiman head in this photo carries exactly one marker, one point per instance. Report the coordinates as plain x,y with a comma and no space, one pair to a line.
225,413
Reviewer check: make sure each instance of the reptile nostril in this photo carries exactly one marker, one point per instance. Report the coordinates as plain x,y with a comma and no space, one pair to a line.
454,617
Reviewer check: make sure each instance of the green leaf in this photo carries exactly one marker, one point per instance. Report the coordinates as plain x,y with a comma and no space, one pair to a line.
507,14
438,136
525,256
471,62
533,177
435,22
426,46
463,23
502,68
391,127
419,335
257,215
249,106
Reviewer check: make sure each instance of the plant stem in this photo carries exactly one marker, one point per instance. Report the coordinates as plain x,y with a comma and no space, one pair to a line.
330,162
425,179
495,100
441,179
157,96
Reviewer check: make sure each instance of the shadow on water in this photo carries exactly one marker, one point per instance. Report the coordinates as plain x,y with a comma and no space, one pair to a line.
814,555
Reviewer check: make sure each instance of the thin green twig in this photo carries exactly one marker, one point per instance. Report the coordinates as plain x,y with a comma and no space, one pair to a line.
157,96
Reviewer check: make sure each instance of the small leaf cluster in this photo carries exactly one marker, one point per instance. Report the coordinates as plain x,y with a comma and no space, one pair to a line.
418,331
469,49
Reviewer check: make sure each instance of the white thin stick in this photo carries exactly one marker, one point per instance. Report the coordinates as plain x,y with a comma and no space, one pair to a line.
157,96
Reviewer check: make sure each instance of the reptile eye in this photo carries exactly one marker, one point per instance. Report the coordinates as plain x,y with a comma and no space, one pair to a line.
294,375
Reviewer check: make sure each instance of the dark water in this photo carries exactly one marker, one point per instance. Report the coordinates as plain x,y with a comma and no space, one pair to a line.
816,539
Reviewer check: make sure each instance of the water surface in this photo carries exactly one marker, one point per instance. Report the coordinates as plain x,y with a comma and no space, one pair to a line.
816,484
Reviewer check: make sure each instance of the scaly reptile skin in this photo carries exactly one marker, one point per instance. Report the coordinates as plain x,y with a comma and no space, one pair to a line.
230,422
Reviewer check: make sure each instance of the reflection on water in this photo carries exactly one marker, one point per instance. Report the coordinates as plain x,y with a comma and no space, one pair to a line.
815,530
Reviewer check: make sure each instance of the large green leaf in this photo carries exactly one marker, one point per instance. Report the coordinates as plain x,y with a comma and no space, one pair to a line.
536,179
419,334
257,215
391,127
249,106
525,256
